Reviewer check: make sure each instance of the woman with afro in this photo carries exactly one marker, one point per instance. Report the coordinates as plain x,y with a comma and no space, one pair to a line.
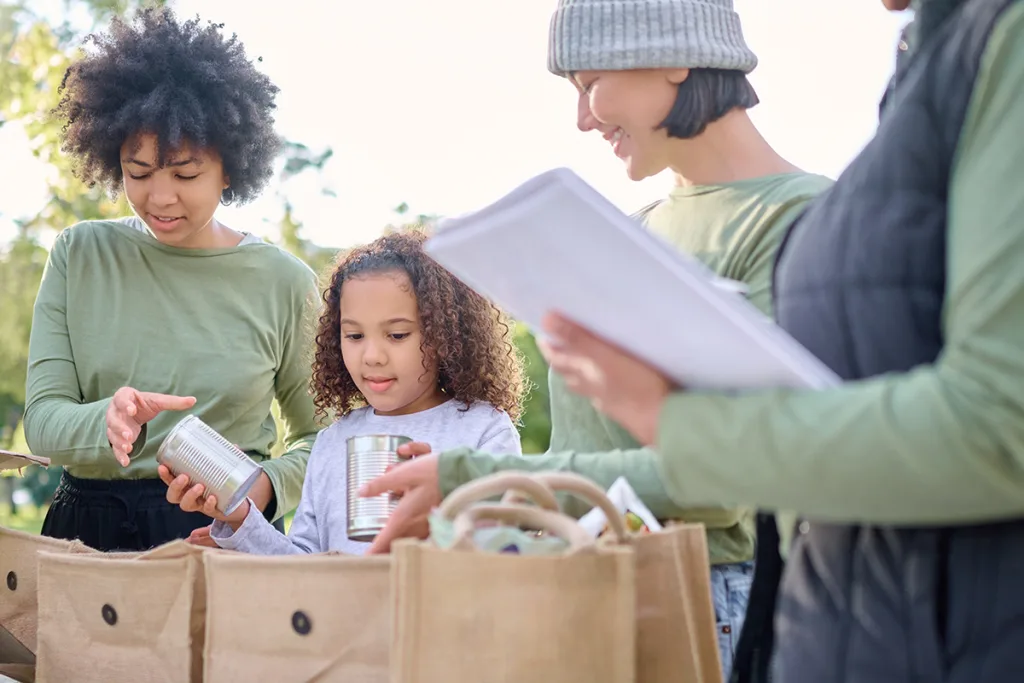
143,319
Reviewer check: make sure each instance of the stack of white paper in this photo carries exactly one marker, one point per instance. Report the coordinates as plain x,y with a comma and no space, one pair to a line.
555,244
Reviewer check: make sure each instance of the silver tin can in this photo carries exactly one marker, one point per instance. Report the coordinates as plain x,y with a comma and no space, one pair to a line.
195,449
368,457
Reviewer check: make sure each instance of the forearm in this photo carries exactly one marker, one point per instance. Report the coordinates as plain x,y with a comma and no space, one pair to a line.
931,447
67,432
286,474
639,467
257,536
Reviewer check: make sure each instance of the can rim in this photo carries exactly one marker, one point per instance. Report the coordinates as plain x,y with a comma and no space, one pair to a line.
171,434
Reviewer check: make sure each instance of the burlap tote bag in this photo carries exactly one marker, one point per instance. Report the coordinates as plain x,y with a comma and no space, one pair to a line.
297,618
467,616
122,616
676,640
18,604
300,618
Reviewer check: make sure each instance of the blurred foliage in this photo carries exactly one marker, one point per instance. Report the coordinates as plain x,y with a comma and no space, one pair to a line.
36,50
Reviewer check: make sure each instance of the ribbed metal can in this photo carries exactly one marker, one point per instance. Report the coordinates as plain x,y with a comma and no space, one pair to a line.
196,449
368,457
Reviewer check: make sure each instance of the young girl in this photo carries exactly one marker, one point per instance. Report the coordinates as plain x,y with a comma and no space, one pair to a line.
403,347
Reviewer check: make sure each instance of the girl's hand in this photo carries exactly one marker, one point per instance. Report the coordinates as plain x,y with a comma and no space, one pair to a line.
619,385
202,537
193,498
416,482
130,409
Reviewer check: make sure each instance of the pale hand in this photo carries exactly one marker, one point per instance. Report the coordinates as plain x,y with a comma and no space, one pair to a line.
617,383
416,483
130,409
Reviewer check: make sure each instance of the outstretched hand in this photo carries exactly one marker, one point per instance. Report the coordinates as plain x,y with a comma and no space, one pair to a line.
416,482
130,409
618,384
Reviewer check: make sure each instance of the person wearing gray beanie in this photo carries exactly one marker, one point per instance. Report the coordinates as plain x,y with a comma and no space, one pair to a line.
665,83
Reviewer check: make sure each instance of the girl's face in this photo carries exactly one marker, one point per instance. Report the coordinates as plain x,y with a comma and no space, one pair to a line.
176,201
380,344
627,107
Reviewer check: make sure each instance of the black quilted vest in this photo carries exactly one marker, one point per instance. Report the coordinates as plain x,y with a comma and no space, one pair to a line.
860,281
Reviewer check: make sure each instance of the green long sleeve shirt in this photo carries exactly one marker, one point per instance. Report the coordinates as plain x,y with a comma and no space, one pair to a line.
941,444
228,326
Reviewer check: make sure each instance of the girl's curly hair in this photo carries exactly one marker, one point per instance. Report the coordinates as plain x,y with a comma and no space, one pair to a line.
470,338
182,81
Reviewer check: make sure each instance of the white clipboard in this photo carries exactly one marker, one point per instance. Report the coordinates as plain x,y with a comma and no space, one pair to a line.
556,244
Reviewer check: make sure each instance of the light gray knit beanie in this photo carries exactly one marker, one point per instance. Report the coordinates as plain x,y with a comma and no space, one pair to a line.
617,35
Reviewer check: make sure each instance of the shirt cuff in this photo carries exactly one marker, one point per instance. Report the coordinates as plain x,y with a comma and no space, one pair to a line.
228,539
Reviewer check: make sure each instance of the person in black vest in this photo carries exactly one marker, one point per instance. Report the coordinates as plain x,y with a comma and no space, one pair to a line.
907,278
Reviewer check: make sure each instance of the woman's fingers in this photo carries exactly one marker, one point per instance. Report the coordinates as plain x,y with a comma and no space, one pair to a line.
413,449
190,502
177,488
124,400
165,474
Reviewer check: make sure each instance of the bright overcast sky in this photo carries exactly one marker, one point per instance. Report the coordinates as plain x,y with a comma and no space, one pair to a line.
447,104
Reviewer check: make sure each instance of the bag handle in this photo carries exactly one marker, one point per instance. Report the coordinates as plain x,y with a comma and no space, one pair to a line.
582,488
560,525
493,485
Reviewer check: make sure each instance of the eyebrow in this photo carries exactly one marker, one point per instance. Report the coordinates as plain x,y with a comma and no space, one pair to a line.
392,321
180,162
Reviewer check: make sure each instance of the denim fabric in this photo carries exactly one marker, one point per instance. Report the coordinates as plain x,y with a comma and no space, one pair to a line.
730,591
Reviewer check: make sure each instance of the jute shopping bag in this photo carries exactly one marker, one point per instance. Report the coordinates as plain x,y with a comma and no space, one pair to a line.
464,615
676,636
122,616
297,618
676,640
18,605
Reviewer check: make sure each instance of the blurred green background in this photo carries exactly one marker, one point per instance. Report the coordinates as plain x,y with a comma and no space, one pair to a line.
36,49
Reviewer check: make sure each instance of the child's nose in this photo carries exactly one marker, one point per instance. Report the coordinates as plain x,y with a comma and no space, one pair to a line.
374,355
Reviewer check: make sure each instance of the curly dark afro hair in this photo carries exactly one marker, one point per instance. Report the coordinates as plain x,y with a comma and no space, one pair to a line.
183,82
471,339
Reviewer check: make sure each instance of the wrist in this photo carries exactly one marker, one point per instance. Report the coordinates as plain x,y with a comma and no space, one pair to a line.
237,518
262,493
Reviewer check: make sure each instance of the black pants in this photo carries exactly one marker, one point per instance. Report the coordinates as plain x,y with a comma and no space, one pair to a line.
119,514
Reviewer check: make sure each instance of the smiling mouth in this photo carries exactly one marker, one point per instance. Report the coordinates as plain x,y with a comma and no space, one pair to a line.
614,136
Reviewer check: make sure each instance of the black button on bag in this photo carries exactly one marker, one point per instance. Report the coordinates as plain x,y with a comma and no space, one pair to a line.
109,614
12,581
301,623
